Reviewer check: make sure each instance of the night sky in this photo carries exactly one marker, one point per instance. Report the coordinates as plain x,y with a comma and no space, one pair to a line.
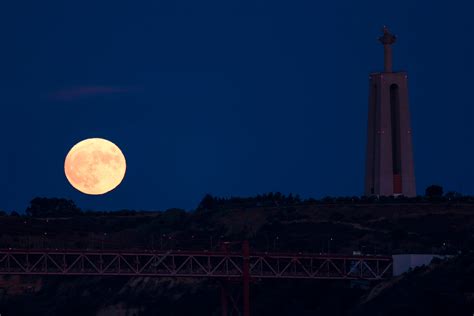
232,98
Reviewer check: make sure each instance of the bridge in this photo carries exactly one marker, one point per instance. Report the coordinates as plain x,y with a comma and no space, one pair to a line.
244,266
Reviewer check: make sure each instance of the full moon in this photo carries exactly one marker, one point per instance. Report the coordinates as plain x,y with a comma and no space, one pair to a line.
95,166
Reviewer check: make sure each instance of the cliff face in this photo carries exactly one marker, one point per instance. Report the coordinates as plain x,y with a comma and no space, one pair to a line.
113,296
148,296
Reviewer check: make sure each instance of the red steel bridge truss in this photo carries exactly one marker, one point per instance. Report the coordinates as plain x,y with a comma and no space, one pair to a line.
193,264
223,265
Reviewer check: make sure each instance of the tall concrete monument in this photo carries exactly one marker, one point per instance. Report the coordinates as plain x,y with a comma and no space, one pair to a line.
389,161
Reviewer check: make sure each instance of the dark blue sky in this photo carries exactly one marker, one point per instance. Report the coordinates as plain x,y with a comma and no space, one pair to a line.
226,97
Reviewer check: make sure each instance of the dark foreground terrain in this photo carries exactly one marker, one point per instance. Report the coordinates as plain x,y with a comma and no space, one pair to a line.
443,226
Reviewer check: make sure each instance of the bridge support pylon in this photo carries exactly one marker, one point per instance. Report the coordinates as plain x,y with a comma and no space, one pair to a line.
224,298
246,278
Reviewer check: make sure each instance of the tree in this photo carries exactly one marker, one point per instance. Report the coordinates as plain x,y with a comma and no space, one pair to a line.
434,190
52,207
453,195
207,203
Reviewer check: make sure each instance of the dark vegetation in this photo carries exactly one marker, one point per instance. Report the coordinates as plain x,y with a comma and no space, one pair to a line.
58,207
446,287
434,223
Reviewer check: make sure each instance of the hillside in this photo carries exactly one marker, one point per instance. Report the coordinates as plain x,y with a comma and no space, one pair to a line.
443,288
338,227
383,227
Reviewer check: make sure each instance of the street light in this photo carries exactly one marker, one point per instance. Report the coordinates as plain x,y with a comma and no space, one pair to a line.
44,239
329,244
161,241
103,237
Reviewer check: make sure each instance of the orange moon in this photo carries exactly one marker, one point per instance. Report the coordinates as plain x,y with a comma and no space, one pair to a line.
95,166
